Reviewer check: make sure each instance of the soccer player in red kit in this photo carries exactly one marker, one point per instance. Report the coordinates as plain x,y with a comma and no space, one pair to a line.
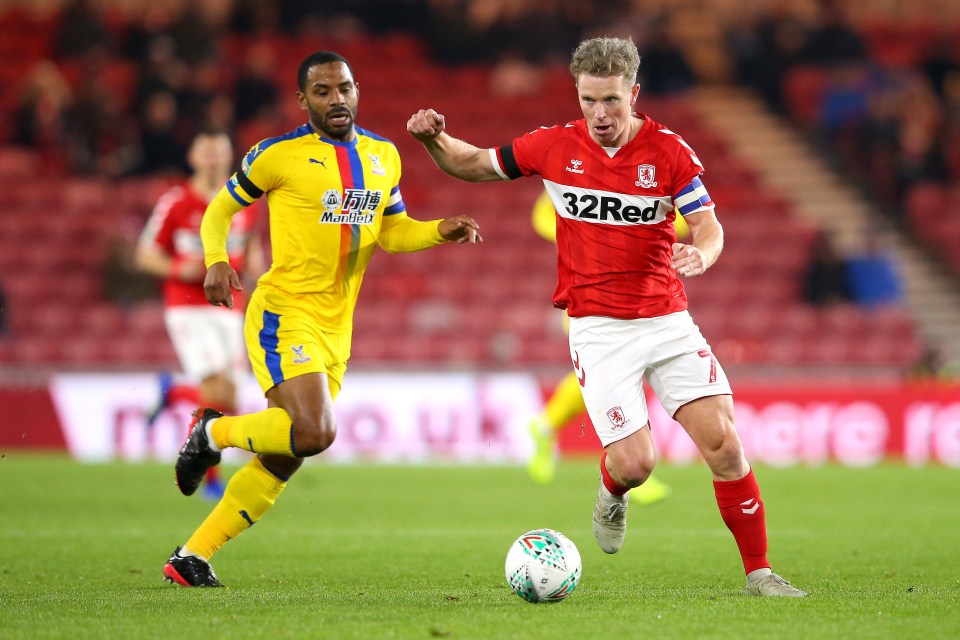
208,340
615,178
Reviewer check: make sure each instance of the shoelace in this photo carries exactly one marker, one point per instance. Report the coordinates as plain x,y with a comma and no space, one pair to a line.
613,511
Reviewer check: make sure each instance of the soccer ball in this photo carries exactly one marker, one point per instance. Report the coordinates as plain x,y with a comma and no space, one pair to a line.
543,565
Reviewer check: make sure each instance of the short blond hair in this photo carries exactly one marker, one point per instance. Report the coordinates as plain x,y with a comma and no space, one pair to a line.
606,57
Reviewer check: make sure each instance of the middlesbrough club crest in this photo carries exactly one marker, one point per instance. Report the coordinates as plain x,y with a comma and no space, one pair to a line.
617,418
646,176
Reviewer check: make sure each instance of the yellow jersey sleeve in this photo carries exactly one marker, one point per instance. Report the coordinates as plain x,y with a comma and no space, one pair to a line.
256,178
215,227
242,189
400,233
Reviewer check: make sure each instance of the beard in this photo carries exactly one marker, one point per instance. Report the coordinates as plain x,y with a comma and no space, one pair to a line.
334,131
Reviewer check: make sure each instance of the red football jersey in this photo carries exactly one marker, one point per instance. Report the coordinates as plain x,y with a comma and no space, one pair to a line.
174,228
614,214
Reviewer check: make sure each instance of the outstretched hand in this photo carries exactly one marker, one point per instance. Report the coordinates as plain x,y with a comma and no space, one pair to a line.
425,125
460,228
688,260
220,283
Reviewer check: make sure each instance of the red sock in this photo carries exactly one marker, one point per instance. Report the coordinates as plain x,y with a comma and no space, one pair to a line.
187,393
742,512
608,481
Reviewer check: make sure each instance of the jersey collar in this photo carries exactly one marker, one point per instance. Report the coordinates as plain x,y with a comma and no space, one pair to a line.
337,143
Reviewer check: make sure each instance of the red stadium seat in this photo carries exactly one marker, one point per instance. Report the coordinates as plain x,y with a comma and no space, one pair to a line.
483,306
803,89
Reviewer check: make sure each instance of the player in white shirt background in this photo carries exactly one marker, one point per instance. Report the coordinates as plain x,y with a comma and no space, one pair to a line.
208,340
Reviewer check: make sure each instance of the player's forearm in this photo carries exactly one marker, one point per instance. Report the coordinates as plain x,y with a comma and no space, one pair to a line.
401,234
461,159
153,262
708,238
215,227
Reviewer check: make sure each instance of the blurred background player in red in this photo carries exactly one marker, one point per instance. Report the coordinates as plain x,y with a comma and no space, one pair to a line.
566,401
208,340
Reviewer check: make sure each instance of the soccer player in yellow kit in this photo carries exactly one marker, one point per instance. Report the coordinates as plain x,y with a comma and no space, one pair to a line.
566,401
333,194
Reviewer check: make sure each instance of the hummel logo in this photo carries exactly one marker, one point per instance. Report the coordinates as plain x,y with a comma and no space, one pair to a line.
575,166
581,373
747,509
319,162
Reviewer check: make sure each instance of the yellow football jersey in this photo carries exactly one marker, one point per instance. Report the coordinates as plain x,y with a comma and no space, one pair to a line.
331,204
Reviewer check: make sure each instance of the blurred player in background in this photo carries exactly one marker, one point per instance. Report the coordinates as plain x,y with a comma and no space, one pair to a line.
334,196
566,401
616,178
208,340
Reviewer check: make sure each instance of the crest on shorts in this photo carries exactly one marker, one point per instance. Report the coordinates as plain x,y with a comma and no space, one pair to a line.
617,418
646,176
299,357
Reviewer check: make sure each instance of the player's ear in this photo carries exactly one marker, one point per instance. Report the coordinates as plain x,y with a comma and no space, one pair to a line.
302,100
634,94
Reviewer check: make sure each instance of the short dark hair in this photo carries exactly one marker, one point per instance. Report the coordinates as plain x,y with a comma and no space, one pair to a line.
315,58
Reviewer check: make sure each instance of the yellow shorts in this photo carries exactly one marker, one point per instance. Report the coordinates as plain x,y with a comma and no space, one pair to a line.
284,340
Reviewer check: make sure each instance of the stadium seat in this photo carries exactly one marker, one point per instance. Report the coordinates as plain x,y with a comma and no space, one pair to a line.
485,306
803,88
104,321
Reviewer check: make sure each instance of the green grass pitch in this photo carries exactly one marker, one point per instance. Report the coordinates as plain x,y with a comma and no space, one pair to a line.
417,552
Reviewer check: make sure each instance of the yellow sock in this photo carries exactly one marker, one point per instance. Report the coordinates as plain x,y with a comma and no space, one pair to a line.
267,431
565,403
250,493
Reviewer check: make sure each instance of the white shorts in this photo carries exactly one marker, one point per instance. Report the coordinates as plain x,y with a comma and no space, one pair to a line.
611,357
207,340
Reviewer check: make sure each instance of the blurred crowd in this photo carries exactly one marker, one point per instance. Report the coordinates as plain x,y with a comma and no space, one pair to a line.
121,93
126,90
121,88
886,102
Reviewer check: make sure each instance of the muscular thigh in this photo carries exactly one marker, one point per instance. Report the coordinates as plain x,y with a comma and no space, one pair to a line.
299,396
709,422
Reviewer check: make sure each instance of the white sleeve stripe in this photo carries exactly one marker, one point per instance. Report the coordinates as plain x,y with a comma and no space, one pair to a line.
691,196
158,218
693,154
706,207
676,137
496,163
